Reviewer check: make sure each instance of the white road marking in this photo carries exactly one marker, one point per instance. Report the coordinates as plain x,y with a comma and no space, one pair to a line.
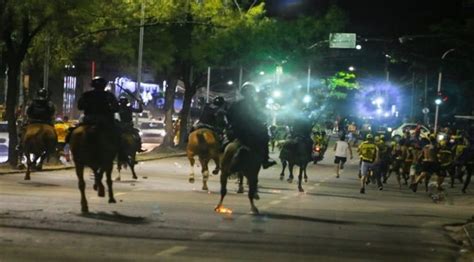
275,202
285,197
311,187
317,184
119,194
206,235
171,251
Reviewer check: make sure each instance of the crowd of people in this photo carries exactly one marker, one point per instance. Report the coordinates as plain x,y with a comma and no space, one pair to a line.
416,159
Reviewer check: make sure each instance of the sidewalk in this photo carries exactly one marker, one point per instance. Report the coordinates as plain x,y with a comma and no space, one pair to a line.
147,156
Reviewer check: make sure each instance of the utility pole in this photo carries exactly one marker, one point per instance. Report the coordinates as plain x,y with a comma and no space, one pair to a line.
309,79
140,56
440,78
208,86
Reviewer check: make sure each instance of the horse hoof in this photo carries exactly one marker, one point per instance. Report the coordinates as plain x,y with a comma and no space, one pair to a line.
301,189
118,179
205,188
215,172
216,209
289,180
94,187
135,177
101,192
255,211
256,196
240,191
306,180
27,178
281,178
191,180
85,209
112,200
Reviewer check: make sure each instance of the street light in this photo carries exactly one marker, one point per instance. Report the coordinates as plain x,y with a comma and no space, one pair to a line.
230,82
306,99
438,101
358,47
440,77
351,68
276,93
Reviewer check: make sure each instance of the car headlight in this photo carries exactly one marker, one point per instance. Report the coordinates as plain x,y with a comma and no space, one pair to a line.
389,129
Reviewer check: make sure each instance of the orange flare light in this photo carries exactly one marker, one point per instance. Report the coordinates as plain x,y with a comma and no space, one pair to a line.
223,210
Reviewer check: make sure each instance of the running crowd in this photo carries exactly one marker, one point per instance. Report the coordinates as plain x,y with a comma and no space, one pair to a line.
413,159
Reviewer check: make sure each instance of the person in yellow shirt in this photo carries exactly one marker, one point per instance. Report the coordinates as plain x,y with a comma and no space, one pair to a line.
61,129
368,153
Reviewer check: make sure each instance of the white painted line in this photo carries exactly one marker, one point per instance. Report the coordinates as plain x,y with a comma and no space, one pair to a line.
285,197
206,235
119,194
311,187
171,251
275,202
317,184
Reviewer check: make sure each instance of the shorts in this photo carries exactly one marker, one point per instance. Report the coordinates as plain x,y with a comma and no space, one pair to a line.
414,170
365,167
340,159
429,167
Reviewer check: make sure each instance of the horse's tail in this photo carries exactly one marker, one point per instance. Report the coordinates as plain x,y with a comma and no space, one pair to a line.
201,139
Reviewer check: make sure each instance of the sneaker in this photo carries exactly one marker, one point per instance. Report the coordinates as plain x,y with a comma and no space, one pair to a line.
268,163
362,190
380,188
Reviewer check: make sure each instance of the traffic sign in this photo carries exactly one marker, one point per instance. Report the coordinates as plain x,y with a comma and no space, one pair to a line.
342,40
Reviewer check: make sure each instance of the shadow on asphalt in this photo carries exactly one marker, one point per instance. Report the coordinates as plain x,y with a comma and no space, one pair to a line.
37,184
333,195
116,217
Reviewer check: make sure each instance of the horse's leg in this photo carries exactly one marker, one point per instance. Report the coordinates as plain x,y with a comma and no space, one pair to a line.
28,167
300,177
82,187
290,170
283,164
98,182
204,171
304,172
218,165
241,183
41,158
119,168
191,161
108,174
131,163
224,178
252,179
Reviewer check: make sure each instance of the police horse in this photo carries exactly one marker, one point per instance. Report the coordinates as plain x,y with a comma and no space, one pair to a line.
127,154
38,142
247,165
295,152
204,143
96,147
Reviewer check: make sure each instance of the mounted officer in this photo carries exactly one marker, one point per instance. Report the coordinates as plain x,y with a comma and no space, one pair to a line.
126,111
41,109
99,106
247,123
213,116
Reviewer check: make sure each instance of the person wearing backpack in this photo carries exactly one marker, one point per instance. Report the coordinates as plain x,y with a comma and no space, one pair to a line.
368,153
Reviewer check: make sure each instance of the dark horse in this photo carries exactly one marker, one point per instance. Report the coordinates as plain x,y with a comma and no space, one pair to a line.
248,165
39,141
95,147
204,143
295,151
127,153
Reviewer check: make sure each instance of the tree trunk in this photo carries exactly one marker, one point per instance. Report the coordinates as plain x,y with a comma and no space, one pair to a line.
169,110
189,92
11,107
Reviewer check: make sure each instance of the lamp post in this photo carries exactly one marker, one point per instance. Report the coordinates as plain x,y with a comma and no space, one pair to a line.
440,77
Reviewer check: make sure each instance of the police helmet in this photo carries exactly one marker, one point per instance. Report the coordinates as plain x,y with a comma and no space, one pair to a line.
369,137
218,101
248,90
123,100
99,82
42,94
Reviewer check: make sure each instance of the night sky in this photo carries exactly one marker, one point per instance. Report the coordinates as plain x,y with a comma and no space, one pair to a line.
379,17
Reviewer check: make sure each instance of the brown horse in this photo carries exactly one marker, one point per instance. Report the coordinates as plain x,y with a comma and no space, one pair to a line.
38,141
248,166
295,151
95,147
204,143
127,154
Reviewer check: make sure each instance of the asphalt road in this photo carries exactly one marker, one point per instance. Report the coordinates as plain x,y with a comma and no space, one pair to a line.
162,217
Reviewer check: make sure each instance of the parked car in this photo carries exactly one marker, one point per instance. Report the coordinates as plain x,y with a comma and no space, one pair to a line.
397,133
152,131
3,141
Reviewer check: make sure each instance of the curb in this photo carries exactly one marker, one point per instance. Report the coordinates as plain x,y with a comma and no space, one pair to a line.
72,166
